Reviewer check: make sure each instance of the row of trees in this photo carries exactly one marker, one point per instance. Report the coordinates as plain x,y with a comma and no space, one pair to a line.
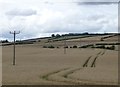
4,41
70,34
57,35
77,34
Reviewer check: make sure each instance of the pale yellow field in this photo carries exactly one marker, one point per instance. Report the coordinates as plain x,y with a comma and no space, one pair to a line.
43,66
94,38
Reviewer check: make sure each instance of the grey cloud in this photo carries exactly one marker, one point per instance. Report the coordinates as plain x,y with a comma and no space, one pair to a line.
51,3
97,0
96,3
95,17
21,12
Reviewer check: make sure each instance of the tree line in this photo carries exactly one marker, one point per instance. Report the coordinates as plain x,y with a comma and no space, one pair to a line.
78,34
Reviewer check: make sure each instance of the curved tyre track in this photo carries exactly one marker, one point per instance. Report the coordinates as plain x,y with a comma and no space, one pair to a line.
93,59
46,77
62,75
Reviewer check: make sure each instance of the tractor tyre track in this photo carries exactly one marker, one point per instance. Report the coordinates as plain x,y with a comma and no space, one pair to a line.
62,75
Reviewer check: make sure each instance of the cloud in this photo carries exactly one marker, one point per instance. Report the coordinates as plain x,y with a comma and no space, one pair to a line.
97,0
96,3
21,12
60,17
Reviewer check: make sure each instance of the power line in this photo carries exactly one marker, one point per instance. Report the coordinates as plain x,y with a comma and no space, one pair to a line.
14,33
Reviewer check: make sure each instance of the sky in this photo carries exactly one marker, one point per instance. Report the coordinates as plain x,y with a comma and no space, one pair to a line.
41,18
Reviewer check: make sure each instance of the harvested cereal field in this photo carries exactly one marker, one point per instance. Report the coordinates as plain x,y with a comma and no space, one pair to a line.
36,65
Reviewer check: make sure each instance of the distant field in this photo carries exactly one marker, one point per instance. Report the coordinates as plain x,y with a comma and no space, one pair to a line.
42,66
76,40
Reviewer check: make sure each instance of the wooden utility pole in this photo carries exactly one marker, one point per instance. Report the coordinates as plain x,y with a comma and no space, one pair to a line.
65,45
14,33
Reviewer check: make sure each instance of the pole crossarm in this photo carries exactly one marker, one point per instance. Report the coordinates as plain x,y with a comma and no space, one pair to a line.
14,32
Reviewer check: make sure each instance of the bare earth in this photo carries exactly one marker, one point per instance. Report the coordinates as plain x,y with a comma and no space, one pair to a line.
43,66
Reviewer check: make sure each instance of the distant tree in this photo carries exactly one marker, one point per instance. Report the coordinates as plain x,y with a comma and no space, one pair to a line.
74,46
18,40
58,47
44,46
51,46
39,40
66,47
112,47
101,39
53,35
58,36
4,41
86,33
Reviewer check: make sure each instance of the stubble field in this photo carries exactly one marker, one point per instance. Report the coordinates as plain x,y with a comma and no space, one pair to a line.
44,66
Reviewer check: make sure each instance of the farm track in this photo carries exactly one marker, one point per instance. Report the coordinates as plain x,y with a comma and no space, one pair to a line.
46,77
62,75
94,58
